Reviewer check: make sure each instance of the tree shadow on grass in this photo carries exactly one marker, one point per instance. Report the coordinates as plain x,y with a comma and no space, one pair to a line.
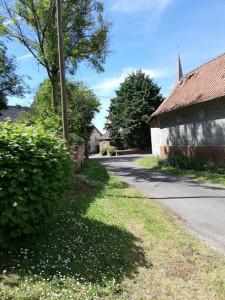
76,246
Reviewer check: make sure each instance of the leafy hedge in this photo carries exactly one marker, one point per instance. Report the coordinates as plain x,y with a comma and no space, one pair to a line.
50,122
35,174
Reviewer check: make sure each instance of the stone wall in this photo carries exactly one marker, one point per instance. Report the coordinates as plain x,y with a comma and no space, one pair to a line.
128,152
79,157
94,141
197,125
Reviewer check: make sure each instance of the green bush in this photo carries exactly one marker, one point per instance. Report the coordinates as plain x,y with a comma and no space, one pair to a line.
50,122
112,150
104,151
35,172
179,160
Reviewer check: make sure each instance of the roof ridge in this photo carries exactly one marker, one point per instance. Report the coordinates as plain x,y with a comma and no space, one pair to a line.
198,89
97,129
203,65
18,106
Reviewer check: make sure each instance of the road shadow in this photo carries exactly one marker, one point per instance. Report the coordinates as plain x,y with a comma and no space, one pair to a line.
122,158
193,197
121,166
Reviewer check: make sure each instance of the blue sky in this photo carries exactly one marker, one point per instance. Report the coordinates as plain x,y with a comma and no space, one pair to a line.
145,35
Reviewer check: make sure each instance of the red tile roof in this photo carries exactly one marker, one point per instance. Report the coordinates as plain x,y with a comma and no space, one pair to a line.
202,84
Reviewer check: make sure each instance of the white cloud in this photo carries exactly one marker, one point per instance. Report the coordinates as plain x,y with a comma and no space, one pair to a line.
7,22
135,5
24,56
111,83
108,85
11,21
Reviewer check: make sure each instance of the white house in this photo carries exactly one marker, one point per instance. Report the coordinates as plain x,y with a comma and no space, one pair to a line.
192,118
94,141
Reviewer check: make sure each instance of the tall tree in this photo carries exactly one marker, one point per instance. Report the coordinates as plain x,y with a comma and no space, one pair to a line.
85,33
82,106
137,98
10,82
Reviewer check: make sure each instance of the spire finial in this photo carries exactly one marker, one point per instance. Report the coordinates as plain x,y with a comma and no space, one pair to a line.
179,73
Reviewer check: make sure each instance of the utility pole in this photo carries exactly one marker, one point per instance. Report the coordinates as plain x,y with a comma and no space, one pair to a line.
86,151
62,73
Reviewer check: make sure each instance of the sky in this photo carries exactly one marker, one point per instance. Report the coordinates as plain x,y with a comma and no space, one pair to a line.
145,35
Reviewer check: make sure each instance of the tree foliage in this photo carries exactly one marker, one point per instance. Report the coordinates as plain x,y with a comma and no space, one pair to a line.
82,107
3,29
137,98
85,33
10,82
83,104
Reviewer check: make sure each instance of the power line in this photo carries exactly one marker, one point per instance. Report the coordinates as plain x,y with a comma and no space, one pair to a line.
105,96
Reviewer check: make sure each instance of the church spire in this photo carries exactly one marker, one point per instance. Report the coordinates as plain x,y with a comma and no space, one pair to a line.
179,73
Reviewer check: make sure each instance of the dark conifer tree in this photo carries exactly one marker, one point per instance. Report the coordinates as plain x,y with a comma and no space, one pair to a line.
137,98
10,82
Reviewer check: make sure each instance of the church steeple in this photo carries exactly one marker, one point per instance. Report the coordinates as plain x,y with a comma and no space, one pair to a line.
179,73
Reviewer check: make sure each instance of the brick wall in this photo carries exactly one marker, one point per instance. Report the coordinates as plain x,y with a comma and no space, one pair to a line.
101,144
210,153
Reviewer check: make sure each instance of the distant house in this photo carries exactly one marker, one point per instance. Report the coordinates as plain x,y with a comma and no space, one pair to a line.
12,112
192,118
104,141
94,141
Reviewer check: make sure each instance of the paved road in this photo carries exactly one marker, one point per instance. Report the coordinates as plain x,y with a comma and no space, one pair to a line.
200,204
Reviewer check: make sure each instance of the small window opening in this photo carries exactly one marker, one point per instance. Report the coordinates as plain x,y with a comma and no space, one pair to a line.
191,75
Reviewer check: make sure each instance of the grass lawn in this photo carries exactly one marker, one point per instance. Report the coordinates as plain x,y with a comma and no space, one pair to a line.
112,243
152,162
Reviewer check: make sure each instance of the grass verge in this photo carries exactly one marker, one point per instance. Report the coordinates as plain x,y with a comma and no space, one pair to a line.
152,162
113,243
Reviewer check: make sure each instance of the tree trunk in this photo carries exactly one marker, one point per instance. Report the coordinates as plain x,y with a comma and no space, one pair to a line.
54,81
86,150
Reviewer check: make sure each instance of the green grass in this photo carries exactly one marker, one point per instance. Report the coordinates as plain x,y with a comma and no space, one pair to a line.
152,162
113,243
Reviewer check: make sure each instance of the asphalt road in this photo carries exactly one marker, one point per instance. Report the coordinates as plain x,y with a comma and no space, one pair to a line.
201,205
